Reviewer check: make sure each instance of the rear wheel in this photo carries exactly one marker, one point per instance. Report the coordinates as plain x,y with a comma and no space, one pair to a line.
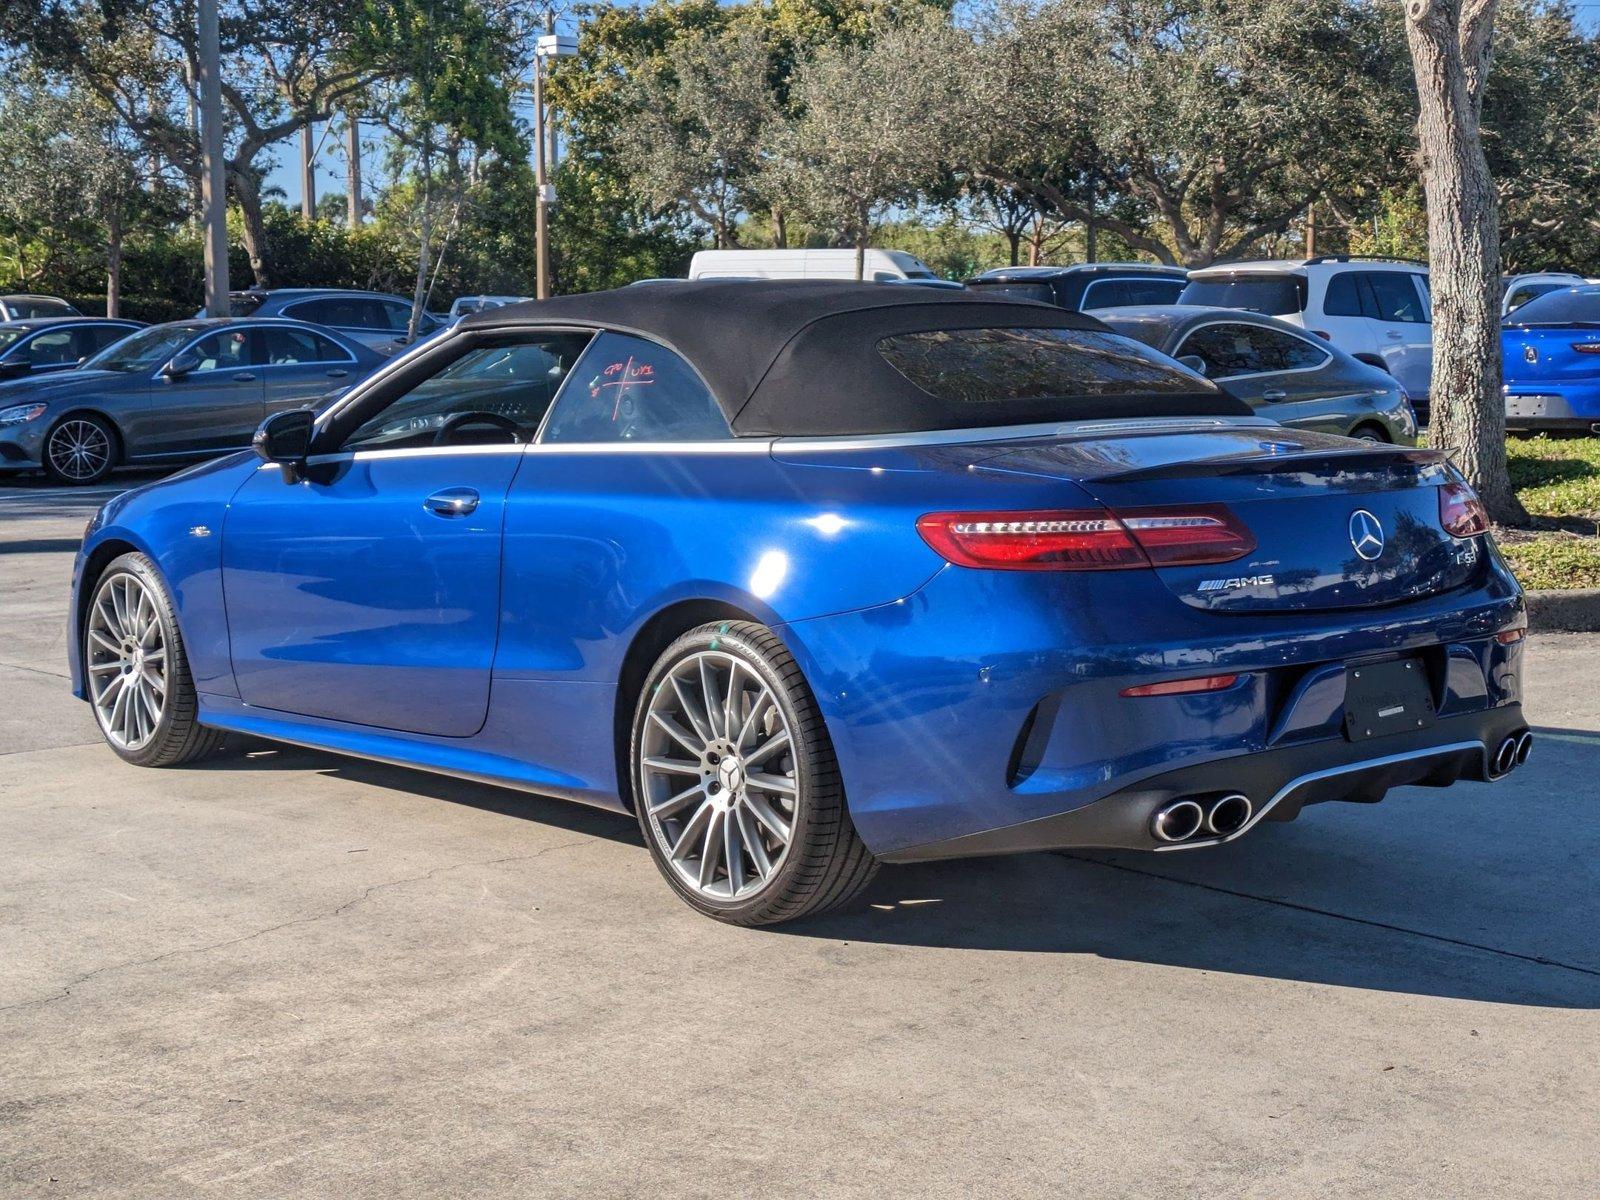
138,676
1370,433
80,449
736,784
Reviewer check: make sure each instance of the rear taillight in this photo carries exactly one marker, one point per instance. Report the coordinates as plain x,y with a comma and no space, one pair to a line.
1323,334
1586,347
1095,539
1460,511
1183,687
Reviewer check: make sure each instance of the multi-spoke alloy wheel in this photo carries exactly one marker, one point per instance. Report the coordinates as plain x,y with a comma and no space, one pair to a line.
135,671
718,775
127,661
79,450
736,784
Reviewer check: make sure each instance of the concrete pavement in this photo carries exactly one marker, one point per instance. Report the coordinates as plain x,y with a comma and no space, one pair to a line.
290,974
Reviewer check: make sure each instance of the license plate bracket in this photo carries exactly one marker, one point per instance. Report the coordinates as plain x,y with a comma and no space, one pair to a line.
1382,698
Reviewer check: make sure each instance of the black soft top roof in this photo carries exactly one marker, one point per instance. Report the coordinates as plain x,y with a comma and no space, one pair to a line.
788,357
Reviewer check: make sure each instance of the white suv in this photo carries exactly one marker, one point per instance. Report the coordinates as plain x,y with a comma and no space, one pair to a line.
1377,310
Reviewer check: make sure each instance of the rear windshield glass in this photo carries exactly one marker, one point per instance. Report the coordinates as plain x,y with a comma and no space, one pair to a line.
1020,291
995,366
1274,295
1574,306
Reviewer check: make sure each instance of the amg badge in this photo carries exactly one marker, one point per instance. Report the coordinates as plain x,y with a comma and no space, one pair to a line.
1238,581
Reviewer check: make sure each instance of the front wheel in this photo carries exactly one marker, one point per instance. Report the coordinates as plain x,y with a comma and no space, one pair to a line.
736,784
80,449
137,673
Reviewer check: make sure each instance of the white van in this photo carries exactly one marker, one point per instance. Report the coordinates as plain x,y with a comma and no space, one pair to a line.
880,265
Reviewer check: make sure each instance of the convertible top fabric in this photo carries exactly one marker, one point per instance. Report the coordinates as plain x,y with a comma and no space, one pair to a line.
790,357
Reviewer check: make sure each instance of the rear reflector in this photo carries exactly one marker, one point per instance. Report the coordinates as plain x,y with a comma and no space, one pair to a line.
1183,687
1460,511
1510,637
1093,539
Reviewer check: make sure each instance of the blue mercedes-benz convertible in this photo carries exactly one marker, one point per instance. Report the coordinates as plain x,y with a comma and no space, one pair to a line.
812,577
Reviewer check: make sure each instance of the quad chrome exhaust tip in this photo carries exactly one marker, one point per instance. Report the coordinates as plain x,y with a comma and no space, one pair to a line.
1229,814
1178,821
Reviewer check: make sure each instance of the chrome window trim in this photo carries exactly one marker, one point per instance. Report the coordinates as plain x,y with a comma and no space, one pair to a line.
1327,355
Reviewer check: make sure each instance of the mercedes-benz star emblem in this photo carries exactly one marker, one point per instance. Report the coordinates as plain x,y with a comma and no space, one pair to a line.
1366,534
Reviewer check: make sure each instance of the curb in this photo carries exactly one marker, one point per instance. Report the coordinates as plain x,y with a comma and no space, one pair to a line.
1576,611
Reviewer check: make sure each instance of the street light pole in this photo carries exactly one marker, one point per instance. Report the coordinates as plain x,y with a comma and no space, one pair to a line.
213,185
549,46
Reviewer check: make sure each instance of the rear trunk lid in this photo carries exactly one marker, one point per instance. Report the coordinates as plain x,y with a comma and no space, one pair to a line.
1338,524
1535,355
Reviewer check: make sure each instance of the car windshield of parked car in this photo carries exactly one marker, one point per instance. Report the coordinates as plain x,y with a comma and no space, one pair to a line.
993,366
25,307
1573,306
143,351
1273,295
490,395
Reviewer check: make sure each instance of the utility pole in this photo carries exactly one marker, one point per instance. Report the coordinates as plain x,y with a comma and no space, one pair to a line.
308,174
213,183
549,46
352,208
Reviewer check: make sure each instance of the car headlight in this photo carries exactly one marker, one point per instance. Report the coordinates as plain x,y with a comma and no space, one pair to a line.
20,414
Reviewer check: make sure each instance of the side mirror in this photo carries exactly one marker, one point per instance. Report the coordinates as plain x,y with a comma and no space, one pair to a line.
1194,362
285,438
181,365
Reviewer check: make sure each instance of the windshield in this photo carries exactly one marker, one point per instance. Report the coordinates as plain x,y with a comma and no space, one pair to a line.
1274,295
1010,287
1570,306
145,350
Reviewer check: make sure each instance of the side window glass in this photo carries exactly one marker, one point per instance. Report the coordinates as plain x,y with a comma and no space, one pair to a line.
97,337
1341,298
1397,297
631,390
288,347
1124,293
391,316
1279,351
52,349
490,395
1227,350
225,351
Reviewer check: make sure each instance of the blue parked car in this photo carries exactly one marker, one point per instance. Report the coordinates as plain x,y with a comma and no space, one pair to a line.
814,576
1550,352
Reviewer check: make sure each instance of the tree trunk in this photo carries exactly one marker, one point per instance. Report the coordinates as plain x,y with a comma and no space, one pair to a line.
1014,240
114,266
247,191
1450,56
420,295
780,229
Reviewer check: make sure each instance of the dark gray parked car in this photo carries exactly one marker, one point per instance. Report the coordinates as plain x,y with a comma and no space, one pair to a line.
1085,285
185,390
375,319
56,343
21,306
1294,377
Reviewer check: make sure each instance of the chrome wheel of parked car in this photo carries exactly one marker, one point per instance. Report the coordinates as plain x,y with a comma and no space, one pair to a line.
135,672
80,450
718,775
736,783
127,661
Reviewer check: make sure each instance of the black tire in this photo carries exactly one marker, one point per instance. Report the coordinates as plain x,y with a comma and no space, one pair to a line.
1371,432
826,864
90,431
178,737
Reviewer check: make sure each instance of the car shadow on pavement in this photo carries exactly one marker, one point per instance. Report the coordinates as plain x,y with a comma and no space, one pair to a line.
1477,892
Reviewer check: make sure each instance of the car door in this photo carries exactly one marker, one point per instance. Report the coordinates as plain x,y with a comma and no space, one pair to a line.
1274,371
1402,324
368,592
300,366
215,406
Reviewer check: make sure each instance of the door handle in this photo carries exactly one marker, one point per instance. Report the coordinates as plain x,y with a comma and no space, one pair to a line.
1394,335
244,377
452,502
338,373
1274,394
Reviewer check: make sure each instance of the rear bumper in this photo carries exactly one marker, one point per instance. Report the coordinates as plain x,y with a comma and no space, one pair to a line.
1552,406
1278,784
